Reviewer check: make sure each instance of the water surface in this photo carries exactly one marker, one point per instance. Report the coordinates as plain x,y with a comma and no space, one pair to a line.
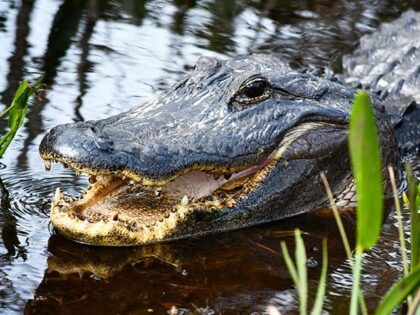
102,57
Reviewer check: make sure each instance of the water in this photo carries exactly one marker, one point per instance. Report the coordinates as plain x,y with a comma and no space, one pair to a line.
102,57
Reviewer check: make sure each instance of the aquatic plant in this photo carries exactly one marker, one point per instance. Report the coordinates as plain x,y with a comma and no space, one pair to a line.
366,167
17,111
298,273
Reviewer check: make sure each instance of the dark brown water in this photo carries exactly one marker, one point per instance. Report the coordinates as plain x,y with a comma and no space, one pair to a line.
102,57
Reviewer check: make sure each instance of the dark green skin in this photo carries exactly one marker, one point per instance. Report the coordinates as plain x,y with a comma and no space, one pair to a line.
216,117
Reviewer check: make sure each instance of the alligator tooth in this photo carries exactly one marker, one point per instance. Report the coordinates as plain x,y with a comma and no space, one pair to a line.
115,216
77,173
92,179
158,192
184,200
132,182
217,202
47,164
173,210
57,194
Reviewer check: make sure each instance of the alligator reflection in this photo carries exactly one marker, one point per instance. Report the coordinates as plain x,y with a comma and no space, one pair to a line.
8,227
239,270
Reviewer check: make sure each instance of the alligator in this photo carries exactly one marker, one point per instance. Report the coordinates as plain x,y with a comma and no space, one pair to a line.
235,143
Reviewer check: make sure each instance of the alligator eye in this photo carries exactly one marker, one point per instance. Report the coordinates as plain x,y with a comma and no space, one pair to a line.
255,89
252,92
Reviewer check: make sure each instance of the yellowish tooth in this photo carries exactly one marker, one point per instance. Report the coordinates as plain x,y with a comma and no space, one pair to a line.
184,200
57,194
158,192
77,173
47,164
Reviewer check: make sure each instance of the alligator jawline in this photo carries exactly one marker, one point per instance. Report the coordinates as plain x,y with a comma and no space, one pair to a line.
114,200
117,211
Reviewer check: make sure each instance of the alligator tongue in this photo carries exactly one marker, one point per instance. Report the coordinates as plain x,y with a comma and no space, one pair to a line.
199,184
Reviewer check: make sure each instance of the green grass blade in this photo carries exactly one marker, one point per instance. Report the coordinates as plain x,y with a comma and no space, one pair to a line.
5,140
399,292
366,165
300,256
414,205
289,263
17,111
320,294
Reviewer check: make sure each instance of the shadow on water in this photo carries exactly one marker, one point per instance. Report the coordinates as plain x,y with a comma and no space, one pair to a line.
9,232
102,57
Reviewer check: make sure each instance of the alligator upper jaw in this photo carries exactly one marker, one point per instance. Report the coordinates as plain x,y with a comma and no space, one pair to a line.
117,211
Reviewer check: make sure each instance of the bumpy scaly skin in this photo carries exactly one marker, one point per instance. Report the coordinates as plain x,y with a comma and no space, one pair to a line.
387,62
206,122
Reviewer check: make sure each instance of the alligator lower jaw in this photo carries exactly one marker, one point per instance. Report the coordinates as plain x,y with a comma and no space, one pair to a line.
117,211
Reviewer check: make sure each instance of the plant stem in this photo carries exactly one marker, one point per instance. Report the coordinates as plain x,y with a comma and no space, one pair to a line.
357,268
337,216
320,294
6,111
399,219
300,256
413,191
343,235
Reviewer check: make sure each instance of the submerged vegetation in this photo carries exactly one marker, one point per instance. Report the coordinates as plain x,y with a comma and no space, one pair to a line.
366,167
17,111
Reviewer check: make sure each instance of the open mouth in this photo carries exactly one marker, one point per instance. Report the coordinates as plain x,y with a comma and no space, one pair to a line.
115,207
120,209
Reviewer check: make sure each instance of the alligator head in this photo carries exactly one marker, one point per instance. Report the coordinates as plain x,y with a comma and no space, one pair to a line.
236,143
